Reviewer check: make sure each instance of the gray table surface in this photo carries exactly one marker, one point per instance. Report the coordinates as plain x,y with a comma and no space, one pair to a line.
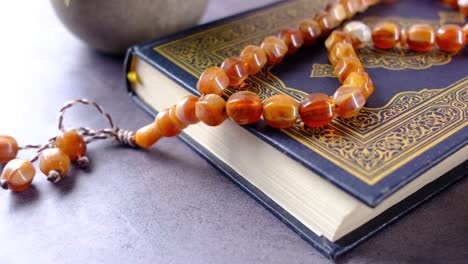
164,205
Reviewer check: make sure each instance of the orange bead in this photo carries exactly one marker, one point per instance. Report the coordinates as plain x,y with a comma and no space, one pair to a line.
165,125
211,109
420,37
463,7
8,149
351,7
292,38
348,101
450,38
255,58
54,160
185,110
340,51
317,110
275,49
72,144
465,33
326,22
18,175
361,80
244,107
338,12
335,37
213,81
175,120
310,30
280,111
346,66
236,69
385,35
147,136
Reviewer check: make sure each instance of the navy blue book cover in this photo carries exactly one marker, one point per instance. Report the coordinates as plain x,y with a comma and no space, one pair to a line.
415,118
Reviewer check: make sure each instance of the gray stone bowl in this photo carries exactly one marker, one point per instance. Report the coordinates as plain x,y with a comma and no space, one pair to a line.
111,26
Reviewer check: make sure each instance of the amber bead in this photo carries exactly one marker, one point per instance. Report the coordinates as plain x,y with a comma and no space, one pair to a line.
8,149
385,35
255,58
338,13
463,7
340,51
236,69
402,38
244,107
310,30
450,38
275,49
348,101
147,136
211,109
351,7
292,38
420,37
362,80
317,110
54,160
166,125
72,144
175,120
326,22
465,33
359,31
337,36
280,111
18,174
185,110
346,66
213,81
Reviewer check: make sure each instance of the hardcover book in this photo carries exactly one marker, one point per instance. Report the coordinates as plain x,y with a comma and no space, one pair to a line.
338,185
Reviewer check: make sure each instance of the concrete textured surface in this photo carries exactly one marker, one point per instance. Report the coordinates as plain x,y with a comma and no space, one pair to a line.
164,205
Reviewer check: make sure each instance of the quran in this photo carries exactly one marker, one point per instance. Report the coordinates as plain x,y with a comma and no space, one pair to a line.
338,185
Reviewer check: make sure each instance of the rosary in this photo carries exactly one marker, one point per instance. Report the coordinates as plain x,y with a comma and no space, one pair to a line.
245,107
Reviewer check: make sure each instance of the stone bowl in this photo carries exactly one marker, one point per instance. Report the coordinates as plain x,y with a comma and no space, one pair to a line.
111,26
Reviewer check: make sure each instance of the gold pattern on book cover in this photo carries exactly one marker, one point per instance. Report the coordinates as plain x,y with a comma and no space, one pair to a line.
376,142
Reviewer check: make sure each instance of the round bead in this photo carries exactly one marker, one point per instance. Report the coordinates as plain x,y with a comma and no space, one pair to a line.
340,51
236,69
463,7
317,110
385,35
292,38
244,107
54,159
275,49
420,37
280,111
351,7
338,12
336,37
175,120
255,58
165,124
310,30
72,144
346,66
8,149
358,30
147,136
211,109
213,81
326,22
348,101
450,38
362,80
18,174
185,110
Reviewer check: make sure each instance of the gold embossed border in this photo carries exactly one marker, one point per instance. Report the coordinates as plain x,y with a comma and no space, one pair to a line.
370,146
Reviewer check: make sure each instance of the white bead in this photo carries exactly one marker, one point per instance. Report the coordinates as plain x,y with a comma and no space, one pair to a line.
358,30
